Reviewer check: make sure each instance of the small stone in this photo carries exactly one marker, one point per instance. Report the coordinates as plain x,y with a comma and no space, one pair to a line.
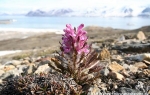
115,67
44,61
115,86
16,72
103,87
149,92
146,72
6,75
121,38
14,62
117,58
31,68
1,81
125,73
116,75
2,66
114,52
133,68
25,62
104,54
97,81
141,36
140,85
1,72
146,62
126,66
94,90
143,42
26,58
22,68
140,65
104,71
43,68
8,67
95,46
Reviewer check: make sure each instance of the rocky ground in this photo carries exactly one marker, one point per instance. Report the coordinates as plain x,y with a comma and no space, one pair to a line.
125,54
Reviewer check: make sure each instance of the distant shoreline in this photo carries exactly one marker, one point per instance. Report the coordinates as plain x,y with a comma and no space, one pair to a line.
57,31
22,33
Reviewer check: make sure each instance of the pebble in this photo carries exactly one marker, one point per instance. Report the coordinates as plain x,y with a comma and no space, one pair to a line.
114,66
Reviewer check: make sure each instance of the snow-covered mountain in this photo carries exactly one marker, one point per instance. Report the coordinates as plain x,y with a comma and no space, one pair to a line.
145,12
53,12
103,11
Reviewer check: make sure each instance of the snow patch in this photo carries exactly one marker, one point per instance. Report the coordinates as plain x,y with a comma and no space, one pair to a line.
2,53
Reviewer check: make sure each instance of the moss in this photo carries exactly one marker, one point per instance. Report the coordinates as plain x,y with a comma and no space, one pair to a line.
21,56
45,52
41,52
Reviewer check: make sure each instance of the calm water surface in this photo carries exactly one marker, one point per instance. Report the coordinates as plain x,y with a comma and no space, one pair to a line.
60,22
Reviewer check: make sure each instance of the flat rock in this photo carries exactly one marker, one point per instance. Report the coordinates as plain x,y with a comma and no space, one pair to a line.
139,57
129,90
137,47
114,66
140,65
127,42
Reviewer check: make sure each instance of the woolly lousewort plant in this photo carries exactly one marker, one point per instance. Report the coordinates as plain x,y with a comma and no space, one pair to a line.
76,59
74,40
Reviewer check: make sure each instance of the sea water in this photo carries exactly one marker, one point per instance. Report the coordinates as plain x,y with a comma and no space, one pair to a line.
60,22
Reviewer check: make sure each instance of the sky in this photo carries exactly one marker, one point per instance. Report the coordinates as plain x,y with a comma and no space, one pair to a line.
27,5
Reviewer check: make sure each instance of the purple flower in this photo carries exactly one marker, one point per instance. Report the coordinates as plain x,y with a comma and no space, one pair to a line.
75,40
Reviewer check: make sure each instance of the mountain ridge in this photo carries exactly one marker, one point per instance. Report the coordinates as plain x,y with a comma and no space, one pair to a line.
124,11
103,11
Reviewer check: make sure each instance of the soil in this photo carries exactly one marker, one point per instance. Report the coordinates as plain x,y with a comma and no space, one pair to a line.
43,40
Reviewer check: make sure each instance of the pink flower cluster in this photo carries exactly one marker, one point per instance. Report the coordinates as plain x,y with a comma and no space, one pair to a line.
75,40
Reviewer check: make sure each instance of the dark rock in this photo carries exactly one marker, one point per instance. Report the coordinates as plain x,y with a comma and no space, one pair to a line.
138,48
104,72
129,90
